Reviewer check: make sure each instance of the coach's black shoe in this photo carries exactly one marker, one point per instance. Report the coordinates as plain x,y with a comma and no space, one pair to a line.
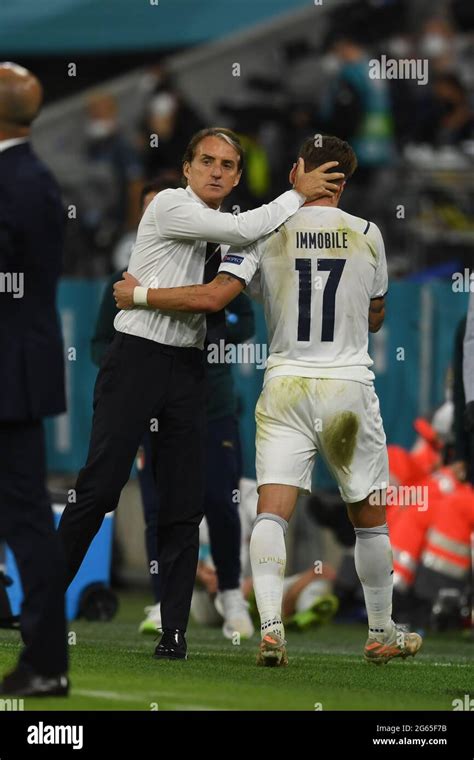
172,646
23,682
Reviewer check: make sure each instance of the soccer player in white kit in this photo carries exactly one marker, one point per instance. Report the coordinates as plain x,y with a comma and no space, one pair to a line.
323,279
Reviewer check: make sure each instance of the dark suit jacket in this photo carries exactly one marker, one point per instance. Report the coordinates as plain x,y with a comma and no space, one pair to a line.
31,241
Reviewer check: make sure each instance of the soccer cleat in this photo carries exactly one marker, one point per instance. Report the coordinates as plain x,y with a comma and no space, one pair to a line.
152,622
272,651
232,606
400,644
321,611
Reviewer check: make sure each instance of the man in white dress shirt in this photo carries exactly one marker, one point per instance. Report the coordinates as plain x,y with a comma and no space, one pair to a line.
154,373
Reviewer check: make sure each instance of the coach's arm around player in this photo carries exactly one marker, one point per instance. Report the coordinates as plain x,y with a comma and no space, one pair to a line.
206,299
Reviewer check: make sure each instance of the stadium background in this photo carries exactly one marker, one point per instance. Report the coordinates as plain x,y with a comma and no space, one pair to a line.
182,54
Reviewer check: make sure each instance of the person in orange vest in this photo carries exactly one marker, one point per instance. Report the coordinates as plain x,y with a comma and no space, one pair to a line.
410,530
446,558
409,468
431,535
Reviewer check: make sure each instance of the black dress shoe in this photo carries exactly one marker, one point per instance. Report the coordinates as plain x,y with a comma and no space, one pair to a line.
23,682
172,646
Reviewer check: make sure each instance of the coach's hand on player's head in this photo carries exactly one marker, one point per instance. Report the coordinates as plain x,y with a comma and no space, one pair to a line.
123,291
318,183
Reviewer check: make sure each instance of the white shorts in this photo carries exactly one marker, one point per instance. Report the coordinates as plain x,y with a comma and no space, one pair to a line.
300,416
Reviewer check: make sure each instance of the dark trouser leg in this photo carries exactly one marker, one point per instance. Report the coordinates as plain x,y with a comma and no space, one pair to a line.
130,384
149,496
221,506
26,523
179,458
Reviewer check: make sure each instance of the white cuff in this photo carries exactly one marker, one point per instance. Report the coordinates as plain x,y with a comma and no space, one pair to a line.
140,296
301,197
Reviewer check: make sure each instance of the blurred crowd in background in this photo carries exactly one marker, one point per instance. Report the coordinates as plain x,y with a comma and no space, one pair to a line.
414,142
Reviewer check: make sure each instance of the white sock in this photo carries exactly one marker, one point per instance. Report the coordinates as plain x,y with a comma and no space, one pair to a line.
374,566
268,560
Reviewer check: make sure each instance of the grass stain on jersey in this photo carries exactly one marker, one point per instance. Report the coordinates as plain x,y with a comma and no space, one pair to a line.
278,253
340,437
358,243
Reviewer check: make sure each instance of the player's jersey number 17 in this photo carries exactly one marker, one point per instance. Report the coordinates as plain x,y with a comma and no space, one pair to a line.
335,268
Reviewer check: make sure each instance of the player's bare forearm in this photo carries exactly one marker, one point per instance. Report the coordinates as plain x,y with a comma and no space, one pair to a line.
375,326
196,298
376,314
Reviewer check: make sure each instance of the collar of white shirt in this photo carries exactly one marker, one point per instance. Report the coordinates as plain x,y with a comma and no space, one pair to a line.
196,197
5,144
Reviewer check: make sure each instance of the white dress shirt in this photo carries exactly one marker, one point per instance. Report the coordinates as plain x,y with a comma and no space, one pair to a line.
170,251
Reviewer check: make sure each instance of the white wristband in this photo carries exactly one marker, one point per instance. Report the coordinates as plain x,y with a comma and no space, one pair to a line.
140,296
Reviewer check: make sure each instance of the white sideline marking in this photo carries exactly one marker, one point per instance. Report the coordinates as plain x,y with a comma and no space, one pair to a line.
107,695
142,695
135,698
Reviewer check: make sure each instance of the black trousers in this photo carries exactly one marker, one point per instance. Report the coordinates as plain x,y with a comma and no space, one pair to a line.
144,385
221,508
26,524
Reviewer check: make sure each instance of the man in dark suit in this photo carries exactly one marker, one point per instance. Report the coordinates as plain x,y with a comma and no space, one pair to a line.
31,384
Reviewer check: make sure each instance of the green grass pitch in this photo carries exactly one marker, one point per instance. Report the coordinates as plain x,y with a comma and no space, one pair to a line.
112,668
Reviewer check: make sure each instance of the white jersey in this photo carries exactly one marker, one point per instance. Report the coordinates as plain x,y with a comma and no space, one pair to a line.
170,251
318,273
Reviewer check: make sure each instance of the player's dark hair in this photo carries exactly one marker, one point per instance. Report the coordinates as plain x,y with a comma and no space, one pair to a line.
319,149
224,134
